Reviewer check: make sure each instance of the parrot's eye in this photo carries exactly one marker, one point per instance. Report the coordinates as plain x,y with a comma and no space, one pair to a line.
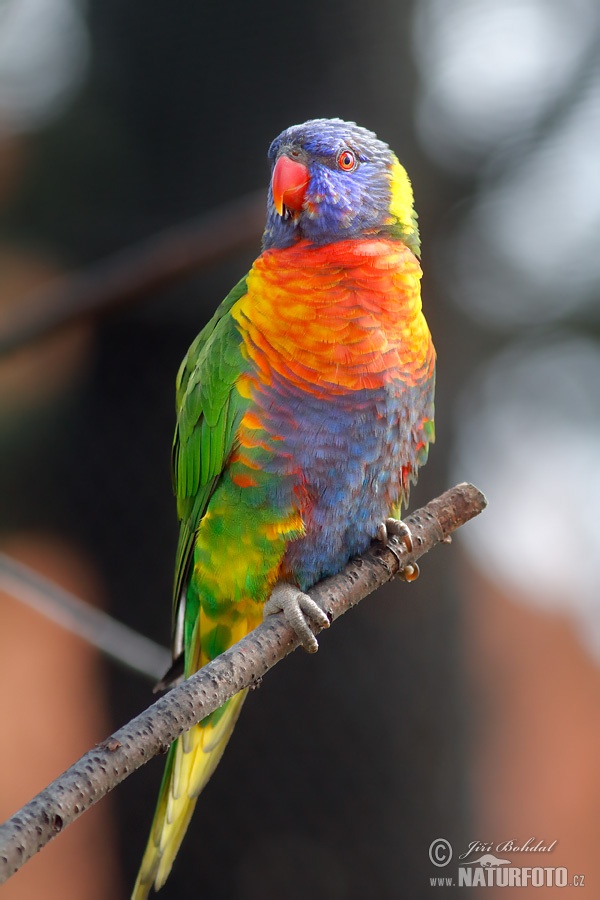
346,160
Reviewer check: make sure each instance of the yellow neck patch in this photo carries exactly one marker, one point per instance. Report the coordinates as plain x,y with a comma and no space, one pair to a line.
402,205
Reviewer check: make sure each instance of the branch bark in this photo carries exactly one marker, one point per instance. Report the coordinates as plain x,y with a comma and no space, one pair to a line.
242,666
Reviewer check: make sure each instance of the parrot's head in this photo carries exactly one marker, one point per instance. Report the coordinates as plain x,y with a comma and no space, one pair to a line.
332,180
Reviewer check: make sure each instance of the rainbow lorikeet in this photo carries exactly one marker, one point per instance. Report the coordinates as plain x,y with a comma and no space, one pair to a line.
304,409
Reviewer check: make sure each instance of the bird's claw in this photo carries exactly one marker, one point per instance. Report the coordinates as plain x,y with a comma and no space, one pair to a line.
409,573
397,528
297,608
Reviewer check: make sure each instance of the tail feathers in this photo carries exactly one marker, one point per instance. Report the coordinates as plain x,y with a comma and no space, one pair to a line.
191,761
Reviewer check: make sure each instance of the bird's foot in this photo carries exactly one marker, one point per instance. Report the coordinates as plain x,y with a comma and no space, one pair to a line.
297,608
397,528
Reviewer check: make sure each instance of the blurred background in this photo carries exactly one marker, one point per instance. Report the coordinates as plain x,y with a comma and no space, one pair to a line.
465,706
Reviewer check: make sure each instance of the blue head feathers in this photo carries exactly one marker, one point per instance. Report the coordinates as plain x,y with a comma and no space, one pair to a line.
355,187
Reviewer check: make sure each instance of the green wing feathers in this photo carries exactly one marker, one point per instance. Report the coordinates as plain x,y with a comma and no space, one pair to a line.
193,356
209,410
208,413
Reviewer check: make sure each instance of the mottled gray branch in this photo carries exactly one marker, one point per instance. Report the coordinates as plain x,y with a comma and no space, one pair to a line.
242,666
119,642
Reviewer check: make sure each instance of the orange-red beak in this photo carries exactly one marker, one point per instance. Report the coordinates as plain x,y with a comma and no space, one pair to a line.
289,182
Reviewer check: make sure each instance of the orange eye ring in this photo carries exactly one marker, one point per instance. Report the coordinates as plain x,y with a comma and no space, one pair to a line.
346,160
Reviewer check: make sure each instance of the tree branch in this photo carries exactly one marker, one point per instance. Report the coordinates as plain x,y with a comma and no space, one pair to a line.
127,277
242,666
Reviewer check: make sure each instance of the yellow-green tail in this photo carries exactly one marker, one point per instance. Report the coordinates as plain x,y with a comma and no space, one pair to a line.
191,761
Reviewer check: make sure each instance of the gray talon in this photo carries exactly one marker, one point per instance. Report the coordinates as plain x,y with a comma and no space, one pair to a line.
399,529
382,534
297,607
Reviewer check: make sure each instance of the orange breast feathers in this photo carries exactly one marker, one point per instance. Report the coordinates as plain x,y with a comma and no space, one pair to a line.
337,318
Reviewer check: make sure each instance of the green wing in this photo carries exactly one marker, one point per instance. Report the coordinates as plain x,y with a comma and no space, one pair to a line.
208,415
